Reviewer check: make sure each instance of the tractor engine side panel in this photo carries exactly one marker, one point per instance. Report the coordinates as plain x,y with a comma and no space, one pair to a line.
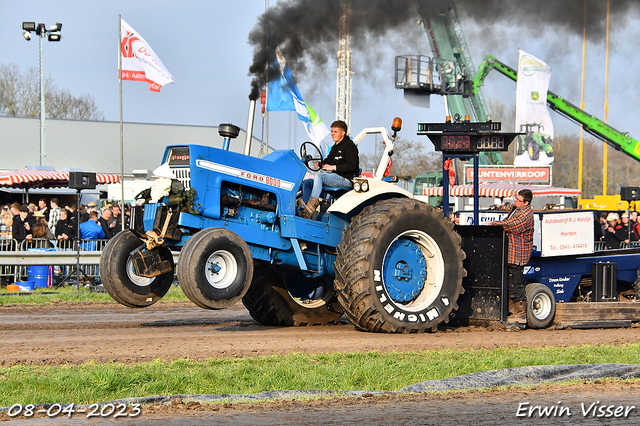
280,172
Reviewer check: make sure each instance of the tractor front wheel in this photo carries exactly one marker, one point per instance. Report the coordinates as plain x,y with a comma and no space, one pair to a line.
215,268
534,151
119,278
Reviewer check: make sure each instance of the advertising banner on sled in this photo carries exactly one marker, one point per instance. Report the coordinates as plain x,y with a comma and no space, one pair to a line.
535,147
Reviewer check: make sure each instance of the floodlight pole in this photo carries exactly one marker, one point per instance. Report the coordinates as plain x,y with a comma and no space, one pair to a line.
53,35
43,155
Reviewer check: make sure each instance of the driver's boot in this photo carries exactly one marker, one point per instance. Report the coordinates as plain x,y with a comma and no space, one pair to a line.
310,208
301,207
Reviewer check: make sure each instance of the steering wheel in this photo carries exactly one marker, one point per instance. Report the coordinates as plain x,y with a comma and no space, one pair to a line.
311,156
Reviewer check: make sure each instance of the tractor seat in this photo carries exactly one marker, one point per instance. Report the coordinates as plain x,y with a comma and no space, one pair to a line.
332,193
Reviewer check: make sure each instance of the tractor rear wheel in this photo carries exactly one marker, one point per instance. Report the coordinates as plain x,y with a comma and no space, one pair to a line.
283,298
399,268
534,151
215,268
118,276
520,144
541,305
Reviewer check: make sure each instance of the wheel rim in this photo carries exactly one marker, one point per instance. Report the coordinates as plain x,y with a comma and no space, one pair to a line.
413,270
308,294
221,269
314,300
137,279
541,306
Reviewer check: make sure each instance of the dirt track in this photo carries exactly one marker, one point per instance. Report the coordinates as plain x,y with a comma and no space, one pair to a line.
76,333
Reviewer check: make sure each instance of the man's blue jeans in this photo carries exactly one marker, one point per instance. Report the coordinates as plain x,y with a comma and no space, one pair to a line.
313,187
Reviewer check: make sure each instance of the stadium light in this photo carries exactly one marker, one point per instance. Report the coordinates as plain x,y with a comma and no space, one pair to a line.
52,34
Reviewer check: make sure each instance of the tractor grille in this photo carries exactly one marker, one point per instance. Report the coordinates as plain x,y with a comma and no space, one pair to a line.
183,174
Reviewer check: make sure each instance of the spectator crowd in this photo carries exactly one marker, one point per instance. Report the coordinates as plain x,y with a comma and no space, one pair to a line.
52,222
614,229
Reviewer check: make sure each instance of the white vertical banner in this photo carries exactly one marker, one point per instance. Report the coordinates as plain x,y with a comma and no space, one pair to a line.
532,114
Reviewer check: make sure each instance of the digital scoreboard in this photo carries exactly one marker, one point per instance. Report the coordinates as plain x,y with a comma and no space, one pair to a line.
466,138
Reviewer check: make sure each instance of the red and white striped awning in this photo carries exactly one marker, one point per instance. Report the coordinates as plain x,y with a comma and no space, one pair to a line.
502,190
46,179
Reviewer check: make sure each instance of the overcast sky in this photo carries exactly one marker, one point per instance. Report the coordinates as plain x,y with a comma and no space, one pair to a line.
204,45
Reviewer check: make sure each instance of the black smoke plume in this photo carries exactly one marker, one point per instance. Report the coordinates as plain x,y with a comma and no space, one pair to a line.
307,31
541,16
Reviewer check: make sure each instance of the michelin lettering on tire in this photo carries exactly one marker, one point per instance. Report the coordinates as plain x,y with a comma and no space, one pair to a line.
398,313
399,267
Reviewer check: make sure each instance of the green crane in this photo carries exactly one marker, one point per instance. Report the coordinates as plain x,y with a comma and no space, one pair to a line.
449,73
447,40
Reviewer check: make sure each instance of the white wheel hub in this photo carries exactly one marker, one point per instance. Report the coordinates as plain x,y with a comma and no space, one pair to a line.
541,306
137,279
221,269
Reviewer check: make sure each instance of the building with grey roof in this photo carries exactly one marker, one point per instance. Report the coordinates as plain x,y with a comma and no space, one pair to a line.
94,146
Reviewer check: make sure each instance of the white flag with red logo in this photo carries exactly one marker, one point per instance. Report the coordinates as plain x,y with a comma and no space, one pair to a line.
139,61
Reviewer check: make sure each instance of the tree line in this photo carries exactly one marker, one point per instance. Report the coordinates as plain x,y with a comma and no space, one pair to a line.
20,97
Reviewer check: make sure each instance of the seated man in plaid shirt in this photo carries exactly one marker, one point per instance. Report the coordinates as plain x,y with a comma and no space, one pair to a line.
519,228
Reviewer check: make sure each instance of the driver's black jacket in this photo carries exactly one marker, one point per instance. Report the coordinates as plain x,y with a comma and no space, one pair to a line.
344,156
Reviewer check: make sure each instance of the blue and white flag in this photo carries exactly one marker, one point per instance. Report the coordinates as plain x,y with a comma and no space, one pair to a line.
283,95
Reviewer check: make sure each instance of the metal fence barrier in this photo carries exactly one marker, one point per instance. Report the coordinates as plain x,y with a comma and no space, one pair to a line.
600,245
16,258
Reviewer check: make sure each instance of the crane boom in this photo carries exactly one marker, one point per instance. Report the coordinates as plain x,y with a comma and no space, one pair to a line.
453,63
447,40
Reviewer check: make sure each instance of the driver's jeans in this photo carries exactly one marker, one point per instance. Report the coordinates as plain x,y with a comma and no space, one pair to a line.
313,187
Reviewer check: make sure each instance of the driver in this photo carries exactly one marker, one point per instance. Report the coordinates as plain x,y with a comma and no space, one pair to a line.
342,164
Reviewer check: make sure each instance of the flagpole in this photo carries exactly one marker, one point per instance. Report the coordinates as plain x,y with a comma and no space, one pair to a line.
515,150
122,209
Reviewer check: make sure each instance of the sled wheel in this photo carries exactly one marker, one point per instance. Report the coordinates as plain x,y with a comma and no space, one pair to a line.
282,298
215,268
636,287
534,151
399,268
541,306
118,276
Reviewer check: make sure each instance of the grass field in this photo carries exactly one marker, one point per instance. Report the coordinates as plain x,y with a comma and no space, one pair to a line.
89,383
47,296
92,382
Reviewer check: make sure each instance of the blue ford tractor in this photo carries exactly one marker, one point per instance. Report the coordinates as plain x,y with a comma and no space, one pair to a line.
387,262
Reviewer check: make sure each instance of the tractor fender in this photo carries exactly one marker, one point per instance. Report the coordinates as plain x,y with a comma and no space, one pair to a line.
352,199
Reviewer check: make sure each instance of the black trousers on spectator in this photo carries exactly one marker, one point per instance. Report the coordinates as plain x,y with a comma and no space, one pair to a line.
515,283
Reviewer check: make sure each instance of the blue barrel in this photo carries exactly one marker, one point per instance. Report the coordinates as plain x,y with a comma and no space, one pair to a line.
41,275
